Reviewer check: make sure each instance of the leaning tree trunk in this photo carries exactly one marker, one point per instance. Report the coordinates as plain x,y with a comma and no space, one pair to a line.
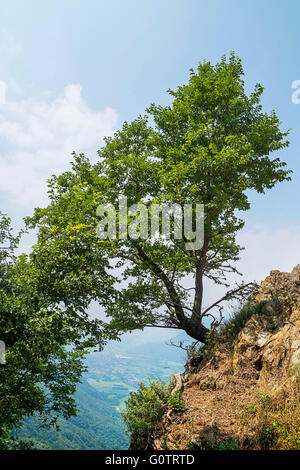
196,330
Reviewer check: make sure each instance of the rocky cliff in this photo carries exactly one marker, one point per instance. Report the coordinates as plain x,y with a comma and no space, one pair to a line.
245,393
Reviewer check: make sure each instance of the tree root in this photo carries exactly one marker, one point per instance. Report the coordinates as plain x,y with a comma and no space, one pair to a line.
179,384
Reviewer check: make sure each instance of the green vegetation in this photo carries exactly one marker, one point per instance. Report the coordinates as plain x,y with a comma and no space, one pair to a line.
143,406
278,419
46,341
231,445
203,443
115,393
111,374
40,374
210,146
175,401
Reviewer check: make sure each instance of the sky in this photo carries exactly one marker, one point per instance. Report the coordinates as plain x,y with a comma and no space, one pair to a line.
73,71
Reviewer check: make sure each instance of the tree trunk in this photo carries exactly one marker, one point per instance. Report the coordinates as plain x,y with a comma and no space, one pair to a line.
196,330
194,326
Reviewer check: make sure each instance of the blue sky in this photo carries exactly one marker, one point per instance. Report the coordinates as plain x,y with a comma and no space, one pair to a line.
76,69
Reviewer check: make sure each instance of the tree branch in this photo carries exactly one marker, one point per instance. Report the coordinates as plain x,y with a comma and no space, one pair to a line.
230,295
158,272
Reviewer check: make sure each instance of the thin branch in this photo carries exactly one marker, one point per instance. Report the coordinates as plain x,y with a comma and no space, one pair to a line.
180,345
229,295
171,327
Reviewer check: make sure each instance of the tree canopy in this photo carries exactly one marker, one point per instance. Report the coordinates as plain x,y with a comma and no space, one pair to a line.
210,146
45,344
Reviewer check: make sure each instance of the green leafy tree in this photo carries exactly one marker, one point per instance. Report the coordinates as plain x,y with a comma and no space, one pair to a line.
45,344
211,146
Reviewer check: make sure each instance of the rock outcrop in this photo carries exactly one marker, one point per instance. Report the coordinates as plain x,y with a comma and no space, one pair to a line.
247,393
271,341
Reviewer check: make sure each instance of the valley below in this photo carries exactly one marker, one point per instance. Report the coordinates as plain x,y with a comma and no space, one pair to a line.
100,397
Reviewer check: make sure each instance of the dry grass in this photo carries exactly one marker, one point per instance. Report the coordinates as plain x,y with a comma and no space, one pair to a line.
278,418
226,410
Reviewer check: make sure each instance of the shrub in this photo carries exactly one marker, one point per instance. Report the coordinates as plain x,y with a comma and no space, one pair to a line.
143,406
176,402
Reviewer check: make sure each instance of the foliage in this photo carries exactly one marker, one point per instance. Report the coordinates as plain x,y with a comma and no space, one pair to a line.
143,406
45,345
205,443
104,388
210,146
175,401
231,445
9,442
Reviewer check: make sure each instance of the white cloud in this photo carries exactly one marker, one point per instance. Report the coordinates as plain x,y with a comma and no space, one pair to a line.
39,137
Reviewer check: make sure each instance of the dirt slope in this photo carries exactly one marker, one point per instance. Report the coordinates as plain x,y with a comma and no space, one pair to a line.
246,395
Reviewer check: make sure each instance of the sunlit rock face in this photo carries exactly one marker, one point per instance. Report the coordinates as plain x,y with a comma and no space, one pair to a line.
271,340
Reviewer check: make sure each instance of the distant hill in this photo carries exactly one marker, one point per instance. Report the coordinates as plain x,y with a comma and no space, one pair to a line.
159,351
97,426
112,375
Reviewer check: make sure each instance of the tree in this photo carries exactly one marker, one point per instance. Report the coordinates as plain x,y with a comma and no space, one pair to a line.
45,345
210,146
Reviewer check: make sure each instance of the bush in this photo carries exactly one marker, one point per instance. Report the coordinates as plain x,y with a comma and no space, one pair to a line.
143,406
175,401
